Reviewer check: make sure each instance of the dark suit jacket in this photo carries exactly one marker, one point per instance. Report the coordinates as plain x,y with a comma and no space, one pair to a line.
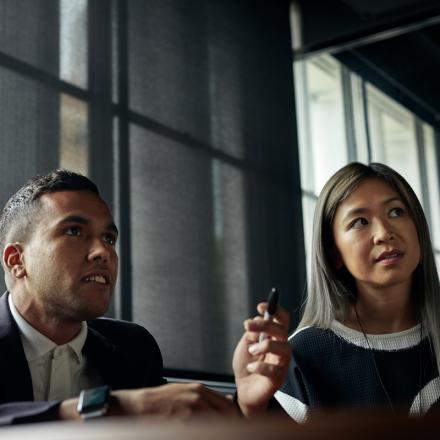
125,355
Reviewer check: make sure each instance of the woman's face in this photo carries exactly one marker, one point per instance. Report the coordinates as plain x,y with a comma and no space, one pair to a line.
376,238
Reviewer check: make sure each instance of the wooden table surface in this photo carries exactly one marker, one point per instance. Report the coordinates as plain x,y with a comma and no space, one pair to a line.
342,425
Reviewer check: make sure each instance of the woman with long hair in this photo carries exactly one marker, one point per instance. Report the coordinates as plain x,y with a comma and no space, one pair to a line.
370,331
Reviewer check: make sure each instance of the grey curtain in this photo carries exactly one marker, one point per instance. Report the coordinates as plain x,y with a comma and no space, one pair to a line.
192,140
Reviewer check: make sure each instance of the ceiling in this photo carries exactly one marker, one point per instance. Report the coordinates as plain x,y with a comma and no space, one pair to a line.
395,44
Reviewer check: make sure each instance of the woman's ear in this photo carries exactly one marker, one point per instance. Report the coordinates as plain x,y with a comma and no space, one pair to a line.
13,260
337,259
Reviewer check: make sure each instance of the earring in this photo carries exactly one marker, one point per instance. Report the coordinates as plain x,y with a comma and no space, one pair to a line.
17,271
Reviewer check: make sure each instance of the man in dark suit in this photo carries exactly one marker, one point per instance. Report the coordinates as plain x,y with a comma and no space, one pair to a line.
58,239
61,266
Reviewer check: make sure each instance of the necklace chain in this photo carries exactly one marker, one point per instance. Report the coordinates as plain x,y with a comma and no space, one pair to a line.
390,402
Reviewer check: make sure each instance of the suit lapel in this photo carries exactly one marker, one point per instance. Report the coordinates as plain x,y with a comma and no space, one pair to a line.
103,356
15,377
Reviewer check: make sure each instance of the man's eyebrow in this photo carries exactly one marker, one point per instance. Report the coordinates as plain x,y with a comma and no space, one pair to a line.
84,221
112,227
75,219
357,211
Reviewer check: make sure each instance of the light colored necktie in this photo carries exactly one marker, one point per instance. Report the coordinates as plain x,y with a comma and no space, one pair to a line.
60,380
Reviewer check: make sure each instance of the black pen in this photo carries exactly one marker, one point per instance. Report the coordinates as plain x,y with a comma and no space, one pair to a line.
272,304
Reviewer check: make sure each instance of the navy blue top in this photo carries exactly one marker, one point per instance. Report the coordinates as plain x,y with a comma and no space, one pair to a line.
340,367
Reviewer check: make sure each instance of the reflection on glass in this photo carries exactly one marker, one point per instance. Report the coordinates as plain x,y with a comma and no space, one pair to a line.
73,42
302,105
433,183
74,154
308,207
393,136
323,118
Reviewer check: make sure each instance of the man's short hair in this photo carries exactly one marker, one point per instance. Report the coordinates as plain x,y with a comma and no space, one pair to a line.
20,212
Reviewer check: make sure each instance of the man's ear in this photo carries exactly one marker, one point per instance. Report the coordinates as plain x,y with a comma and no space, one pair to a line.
13,260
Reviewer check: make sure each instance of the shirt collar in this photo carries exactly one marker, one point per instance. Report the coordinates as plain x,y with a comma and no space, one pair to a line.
36,345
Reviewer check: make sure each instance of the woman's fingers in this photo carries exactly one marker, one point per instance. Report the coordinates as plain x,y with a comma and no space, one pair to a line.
281,316
273,329
280,351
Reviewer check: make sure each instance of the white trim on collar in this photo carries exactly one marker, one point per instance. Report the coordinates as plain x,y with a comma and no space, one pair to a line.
385,342
298,330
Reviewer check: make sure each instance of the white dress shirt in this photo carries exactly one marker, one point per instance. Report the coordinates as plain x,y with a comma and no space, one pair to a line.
58,372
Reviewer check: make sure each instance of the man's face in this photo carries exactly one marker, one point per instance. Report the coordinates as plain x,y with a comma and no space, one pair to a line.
70,258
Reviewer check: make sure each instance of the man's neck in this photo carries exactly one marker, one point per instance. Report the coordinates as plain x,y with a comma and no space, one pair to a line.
60,331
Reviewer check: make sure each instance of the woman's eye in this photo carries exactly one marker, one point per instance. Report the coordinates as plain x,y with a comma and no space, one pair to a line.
397,212
73,231
110,239
359,223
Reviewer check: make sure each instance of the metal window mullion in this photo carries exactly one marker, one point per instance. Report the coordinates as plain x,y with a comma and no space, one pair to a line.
100,86
347,99
100,109
420,144
364,98
305,134
437,162
124,300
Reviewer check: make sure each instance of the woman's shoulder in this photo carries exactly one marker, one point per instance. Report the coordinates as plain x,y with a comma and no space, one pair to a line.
312,339
310,332
305,332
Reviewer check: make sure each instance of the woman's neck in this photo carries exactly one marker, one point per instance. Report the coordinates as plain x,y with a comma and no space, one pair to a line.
382,311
